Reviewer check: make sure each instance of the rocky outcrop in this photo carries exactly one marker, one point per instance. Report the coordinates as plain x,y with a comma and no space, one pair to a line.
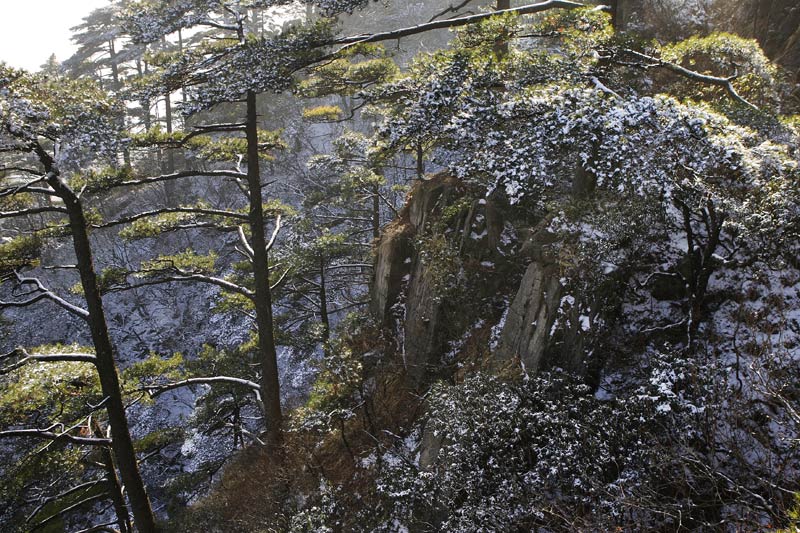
392,264
407,290
527,329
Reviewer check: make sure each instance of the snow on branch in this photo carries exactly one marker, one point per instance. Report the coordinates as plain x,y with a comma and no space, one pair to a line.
49,434
724,82
454,22
33,211
167,210
180,276
40,292
156,390
182,174
26,358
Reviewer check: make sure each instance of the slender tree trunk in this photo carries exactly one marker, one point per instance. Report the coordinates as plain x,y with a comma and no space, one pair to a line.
180,49
170,186
614,6
142,70
117,497
121,442
420,160
376,211
501,47
323,307
109,380
270,386
112,52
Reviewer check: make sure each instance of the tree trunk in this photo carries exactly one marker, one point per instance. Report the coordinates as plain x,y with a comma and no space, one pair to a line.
170,186
109,380
142,71
501,47
121,442
270,386
323,307
112,51
616,13
420,160
180,49
376,211
117,497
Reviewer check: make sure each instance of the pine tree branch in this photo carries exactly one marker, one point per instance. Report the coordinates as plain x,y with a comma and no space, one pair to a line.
45,358
106,528
167,210
725,82
33,211
280,280
46,434
278,226
68,492
156,390
65,510
453,23
183,277
43,294
182,174
248,249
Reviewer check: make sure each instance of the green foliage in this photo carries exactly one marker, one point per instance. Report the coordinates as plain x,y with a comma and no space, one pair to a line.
40,390
323,113
95,180
340,378
580,30
186,261
53,466
156,136
443,265
19,253
355,69
158,439
155,225
229,148
724,55
53,508
153,370
793,517
76,113
107,279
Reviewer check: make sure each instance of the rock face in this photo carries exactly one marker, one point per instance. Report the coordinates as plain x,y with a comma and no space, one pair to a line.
549,322
392,263
527,330
407,294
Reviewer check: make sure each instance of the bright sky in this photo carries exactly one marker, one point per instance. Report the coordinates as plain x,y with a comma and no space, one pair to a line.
31,30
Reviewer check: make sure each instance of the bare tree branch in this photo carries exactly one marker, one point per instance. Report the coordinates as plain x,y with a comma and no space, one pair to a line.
156,390
44,293
245,243
33,211
65,510
278,226
46,434
73,490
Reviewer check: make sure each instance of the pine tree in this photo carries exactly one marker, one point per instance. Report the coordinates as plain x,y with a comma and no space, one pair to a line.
50,131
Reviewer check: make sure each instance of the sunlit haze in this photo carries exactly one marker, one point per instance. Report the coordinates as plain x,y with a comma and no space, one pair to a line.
32,30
